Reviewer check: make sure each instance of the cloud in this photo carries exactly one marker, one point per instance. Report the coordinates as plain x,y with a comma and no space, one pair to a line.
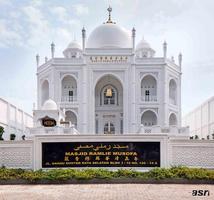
8,37
37,25
80,9
59,12
5,3
36,3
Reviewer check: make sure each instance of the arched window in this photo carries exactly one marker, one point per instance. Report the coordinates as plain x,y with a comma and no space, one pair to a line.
149,118
44,92
71,117
149,88
172,92
172,119
69,89
109,96
109,128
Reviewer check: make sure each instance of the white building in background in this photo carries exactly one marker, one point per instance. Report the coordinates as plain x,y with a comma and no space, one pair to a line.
109,85
201,120
14,120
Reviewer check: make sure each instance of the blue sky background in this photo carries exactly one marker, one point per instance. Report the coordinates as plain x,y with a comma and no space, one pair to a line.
27,27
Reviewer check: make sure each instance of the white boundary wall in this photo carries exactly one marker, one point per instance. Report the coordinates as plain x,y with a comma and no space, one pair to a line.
192,153
17,154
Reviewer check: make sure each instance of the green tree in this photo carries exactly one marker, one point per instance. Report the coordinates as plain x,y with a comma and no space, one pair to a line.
1,132
12,136
196,137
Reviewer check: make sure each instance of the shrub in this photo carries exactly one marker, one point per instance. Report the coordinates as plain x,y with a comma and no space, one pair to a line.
12,136
161,173
1,132
179,172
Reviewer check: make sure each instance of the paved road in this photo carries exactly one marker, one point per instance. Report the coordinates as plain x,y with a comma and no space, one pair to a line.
103,192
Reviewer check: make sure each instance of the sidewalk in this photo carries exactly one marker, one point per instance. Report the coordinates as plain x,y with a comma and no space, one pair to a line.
103,192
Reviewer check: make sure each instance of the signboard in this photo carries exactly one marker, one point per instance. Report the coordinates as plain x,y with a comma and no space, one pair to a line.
100,154
48,122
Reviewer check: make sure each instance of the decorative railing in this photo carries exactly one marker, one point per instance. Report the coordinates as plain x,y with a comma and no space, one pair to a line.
149,98
69,98
53,130
167,130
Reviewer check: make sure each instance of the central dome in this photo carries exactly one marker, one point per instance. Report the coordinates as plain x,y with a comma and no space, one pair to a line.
109,35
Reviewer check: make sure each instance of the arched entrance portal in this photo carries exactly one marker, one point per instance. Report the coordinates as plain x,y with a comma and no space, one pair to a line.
108,106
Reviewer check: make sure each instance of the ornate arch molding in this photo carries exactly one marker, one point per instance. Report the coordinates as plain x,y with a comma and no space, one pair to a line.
102,75
72,75
153,74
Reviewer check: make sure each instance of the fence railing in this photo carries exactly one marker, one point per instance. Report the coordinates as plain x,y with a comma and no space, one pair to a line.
69,98
149,98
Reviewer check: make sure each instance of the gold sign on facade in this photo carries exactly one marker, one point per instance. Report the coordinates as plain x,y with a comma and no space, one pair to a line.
108,59
48,122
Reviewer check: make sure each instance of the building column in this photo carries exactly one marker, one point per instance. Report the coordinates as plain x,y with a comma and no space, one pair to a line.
84,100
133,103
8,122
165,99
51,86
126,103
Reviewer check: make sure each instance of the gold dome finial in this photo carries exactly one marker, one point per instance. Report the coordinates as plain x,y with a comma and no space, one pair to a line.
109,9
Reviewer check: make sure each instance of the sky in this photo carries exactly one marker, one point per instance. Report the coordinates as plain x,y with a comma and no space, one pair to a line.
28,27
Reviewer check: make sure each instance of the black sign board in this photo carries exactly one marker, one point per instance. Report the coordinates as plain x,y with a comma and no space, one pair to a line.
48,122
100,154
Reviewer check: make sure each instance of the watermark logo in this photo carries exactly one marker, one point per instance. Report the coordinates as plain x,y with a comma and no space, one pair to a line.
200,193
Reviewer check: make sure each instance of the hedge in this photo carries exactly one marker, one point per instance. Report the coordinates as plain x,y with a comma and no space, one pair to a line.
91,174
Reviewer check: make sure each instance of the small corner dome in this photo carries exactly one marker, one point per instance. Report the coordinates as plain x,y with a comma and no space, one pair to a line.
143,44
49,105
73,50
109,35
74,45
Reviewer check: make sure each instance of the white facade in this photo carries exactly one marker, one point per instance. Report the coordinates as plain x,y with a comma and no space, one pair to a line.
201,120
145,90
14,120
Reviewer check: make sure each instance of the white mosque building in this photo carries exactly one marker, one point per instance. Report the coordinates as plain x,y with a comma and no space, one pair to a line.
108,96
111,85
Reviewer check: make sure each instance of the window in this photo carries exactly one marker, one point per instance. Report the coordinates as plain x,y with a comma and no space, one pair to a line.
121,126
109,100
109,128
71,95
96,125
147,95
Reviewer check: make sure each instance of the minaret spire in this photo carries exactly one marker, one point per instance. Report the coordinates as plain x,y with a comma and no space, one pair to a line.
109,9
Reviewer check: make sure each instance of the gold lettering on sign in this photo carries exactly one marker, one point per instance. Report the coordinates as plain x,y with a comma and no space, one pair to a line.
108,59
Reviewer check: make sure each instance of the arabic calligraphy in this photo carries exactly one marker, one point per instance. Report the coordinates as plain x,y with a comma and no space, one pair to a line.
97,148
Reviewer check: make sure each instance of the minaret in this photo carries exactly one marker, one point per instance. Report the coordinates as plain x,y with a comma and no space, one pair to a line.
83,38
164,49
37,60
52,50
172,59
180,59
133,38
